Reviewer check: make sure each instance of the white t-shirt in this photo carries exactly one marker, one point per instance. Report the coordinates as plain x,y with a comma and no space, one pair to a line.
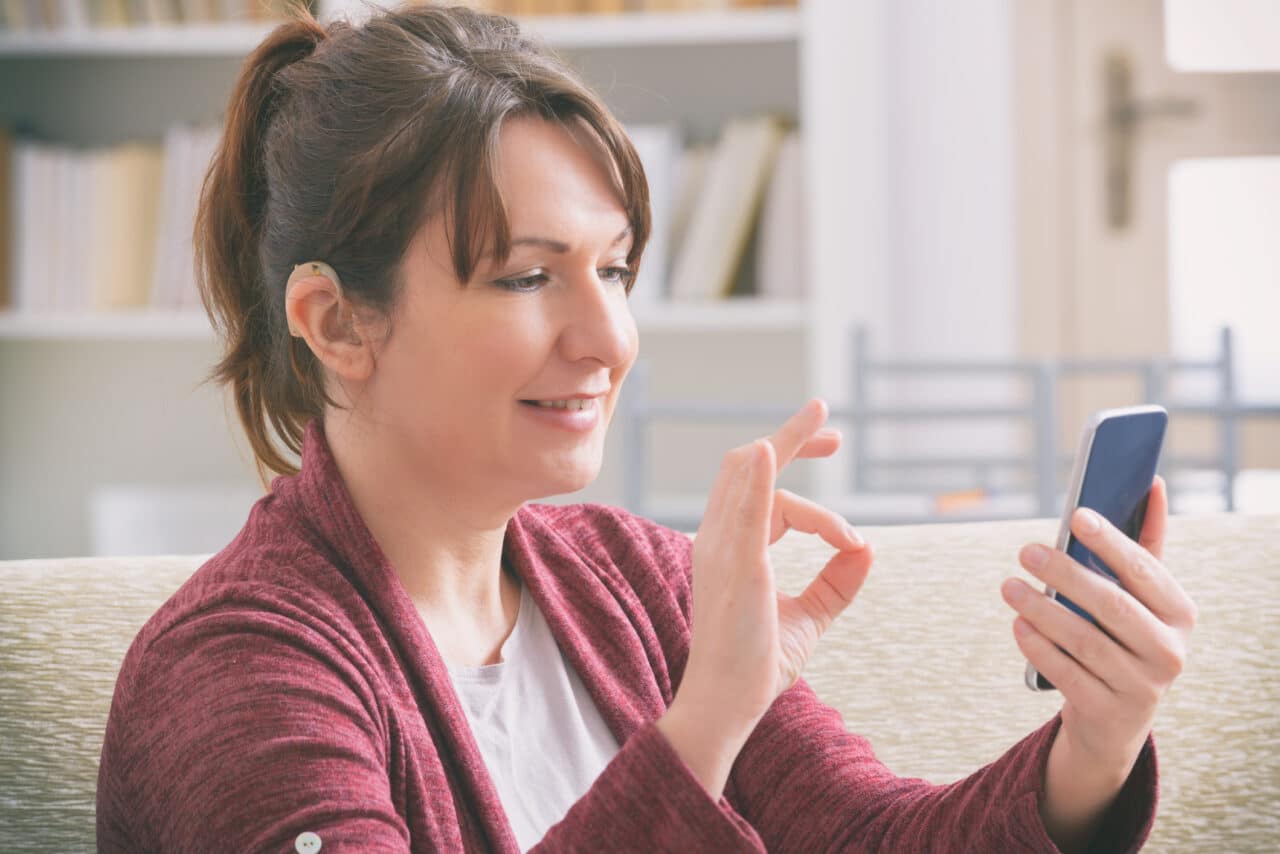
542,739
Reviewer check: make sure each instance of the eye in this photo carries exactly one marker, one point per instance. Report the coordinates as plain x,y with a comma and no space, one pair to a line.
523,284
624,276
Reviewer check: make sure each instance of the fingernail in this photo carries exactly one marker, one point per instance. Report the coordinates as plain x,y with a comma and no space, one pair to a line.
1022,627
1013,591
1090,522
854,536
1034,556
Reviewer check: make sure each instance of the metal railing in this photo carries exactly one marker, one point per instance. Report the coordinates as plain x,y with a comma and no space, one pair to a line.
1043,463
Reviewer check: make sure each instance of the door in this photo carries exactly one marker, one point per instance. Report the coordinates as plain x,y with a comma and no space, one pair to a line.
1140,194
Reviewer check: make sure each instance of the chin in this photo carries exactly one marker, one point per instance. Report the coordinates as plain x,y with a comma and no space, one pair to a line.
569,477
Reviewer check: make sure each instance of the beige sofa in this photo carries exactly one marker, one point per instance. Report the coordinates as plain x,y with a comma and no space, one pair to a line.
924,664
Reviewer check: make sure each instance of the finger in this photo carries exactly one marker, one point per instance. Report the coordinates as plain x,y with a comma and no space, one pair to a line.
756,503
824,443
792,435
1117,611
1110,663
1078,686
1155,522
832,591
1139,571
792,511
726,492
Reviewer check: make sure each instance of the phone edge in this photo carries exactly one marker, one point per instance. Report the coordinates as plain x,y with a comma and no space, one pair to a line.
1088,432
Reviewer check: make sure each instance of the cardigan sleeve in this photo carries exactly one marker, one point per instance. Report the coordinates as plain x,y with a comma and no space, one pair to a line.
807,784
240,731
648,799
801,761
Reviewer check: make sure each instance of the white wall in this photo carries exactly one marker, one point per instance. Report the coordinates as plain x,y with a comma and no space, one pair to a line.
951,177
951,221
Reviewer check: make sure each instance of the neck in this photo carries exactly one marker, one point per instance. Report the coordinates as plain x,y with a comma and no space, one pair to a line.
444,543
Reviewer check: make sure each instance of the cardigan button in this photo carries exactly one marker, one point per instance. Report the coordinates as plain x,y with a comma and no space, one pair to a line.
307,843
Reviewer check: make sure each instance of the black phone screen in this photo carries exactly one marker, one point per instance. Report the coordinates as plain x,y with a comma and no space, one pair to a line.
1117,481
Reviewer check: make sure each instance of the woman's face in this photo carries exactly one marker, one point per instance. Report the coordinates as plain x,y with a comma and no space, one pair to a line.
508,384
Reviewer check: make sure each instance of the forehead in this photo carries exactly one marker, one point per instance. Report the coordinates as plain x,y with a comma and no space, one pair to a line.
552,169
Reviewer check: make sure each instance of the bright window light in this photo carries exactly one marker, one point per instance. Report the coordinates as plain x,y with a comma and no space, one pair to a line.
1222,35
1224,264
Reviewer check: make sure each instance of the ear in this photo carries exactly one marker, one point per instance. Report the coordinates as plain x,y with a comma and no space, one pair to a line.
318,313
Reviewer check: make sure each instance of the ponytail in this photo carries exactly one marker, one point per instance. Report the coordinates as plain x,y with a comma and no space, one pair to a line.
228,235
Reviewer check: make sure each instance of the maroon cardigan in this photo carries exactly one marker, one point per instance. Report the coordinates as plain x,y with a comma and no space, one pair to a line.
290,686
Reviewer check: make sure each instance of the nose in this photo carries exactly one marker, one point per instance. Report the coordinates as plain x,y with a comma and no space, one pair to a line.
599,324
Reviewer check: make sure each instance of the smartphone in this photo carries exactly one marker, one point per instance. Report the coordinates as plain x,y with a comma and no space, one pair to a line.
1113,472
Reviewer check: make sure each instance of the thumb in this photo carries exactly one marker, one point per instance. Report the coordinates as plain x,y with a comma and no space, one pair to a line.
835,588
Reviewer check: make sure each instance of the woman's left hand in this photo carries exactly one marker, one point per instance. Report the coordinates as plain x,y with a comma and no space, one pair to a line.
1111,675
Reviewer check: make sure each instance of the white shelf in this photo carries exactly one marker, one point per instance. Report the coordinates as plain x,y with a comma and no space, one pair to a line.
736,315
139,325
644,29
186,40
732,315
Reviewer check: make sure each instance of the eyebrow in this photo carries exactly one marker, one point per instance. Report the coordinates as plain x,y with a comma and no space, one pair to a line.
556,245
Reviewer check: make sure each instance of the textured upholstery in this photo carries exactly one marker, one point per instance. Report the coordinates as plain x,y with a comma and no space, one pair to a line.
924,664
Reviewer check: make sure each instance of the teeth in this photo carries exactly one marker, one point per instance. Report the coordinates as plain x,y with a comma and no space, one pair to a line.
566,404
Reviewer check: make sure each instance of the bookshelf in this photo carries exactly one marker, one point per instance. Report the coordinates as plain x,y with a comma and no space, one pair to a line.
819,64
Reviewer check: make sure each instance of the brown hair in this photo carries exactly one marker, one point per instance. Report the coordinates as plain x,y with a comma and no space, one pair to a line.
339,142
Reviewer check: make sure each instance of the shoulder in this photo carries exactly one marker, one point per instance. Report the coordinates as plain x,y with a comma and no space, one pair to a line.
270,598
240,656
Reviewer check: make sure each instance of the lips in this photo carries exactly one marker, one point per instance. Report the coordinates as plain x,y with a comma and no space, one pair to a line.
575,414
575,395
572,404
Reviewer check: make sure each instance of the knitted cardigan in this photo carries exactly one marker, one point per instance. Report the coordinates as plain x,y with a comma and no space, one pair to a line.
289,698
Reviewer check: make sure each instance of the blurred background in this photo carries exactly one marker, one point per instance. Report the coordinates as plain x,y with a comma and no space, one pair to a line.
964,223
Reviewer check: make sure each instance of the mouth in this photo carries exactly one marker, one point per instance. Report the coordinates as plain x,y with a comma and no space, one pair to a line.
576,413
575,404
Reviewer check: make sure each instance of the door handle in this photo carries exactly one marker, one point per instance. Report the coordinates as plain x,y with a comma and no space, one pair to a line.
1124,113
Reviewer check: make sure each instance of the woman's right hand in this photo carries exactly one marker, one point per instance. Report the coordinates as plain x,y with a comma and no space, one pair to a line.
750,642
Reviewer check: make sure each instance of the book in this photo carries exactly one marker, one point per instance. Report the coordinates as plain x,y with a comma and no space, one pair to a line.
74,15
57,284
159,12
79,210
36,226
187,153
6,189
113,13
198,11
691,169
725,209
125,201
604,7
780,244
659,147
15,14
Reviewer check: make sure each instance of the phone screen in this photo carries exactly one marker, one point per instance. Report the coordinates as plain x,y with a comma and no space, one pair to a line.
1117,481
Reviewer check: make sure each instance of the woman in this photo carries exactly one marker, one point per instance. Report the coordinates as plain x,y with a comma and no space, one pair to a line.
418,238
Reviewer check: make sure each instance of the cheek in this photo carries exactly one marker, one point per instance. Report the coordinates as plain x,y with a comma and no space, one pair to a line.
502,356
